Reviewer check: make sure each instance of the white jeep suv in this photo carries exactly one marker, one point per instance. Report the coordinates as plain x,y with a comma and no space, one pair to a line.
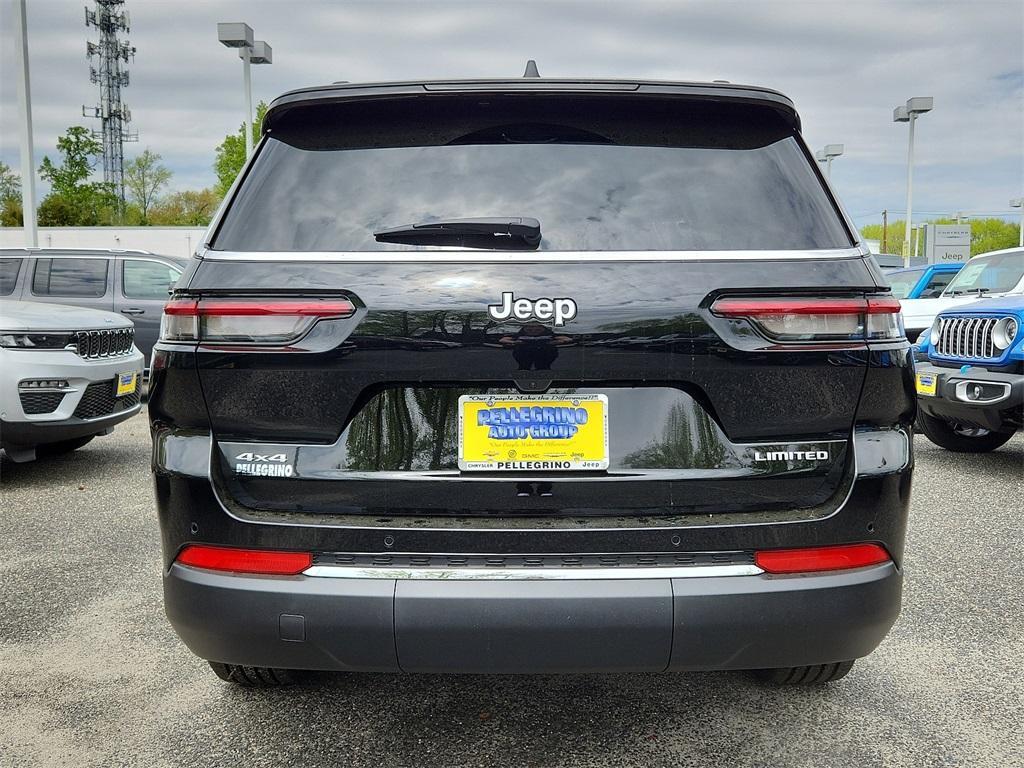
67,374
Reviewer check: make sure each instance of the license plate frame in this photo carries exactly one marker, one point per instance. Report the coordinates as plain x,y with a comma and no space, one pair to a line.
552,447
126,383
926,384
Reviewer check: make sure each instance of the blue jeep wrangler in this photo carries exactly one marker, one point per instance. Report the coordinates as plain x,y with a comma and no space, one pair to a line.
925,282
971,389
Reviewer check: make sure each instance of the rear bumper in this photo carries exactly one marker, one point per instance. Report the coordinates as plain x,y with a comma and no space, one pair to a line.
533,626
1000,411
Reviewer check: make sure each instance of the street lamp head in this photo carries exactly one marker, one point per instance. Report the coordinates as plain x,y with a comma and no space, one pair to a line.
261,53
1017,202
900,115
833,150
918,105
820,156
234,34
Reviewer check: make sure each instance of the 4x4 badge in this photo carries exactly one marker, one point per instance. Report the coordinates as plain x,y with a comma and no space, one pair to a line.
558,310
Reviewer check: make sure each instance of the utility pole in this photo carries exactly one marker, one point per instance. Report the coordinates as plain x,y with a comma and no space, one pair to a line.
28,173
885,231
1018,202
105,68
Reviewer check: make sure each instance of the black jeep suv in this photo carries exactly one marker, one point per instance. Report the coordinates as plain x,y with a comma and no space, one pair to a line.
532,376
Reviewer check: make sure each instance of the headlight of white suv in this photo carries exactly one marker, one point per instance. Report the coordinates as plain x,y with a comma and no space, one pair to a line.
22,340
1005,332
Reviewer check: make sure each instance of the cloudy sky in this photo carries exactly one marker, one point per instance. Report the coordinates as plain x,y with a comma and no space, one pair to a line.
846,64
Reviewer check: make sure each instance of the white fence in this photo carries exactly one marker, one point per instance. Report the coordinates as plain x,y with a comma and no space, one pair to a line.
171,241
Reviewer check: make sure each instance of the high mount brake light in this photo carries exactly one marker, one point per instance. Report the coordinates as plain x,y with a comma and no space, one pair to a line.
820,558
248,321
818,319
261,561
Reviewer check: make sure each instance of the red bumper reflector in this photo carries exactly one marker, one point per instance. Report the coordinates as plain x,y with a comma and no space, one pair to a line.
263,561
820,558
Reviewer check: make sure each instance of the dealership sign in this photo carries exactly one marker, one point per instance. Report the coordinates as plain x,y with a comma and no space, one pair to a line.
947,243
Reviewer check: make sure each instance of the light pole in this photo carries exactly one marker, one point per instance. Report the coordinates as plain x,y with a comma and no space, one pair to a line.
908,113
1018,202
239,35
28,173
826,156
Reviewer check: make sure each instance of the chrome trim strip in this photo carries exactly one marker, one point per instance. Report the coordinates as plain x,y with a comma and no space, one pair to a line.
530,574
528,257
667,526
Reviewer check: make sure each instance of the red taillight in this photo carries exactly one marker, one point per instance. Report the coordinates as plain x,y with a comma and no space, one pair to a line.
800,319
248,321
301,307
262,561
794,306
821,558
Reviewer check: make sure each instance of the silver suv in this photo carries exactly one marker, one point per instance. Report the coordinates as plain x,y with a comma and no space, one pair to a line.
131,283
67,374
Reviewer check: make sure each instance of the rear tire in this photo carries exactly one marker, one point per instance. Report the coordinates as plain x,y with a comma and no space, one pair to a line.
815,674
960,438
64,446
252,677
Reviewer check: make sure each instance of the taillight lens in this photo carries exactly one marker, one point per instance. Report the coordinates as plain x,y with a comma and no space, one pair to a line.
793,319
261,561
247,321
809,559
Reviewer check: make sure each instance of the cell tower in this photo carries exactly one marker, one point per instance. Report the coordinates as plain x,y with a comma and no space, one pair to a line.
108,61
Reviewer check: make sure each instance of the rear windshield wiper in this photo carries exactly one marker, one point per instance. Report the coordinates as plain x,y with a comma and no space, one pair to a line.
514,233
979,291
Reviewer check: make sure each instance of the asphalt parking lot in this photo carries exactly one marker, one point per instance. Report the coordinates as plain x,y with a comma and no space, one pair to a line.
92,675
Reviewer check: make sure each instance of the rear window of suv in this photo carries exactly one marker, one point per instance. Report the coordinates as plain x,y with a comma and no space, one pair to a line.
600,175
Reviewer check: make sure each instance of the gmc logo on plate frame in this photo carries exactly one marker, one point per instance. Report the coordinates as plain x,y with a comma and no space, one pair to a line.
559,310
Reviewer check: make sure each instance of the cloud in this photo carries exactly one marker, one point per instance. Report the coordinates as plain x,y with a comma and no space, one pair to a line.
845,64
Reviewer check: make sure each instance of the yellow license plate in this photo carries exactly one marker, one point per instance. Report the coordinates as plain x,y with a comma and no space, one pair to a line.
926,383
126,383
533,433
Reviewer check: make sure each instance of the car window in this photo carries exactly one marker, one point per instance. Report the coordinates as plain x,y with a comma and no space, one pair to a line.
70,277
143,279
991,274
936,284
9,269
651,178
903,282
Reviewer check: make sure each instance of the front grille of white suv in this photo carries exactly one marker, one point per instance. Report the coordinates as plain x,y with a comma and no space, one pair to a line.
104,343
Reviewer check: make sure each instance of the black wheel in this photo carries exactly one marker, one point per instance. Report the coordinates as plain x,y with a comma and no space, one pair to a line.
960,438
815,674
64,446
252,677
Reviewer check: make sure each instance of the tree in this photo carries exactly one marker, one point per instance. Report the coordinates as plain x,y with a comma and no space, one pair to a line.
73,200
192,208
144,177
231,152
10,197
